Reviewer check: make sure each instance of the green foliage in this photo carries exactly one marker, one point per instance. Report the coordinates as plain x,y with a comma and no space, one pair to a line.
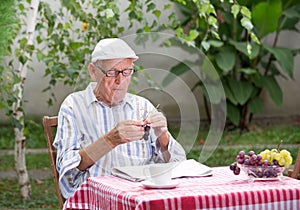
233,45
71,32
33,132
43,195
34,161
64,38
8,32
8,25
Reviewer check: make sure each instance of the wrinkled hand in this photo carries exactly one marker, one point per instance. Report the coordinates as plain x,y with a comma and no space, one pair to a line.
159,124
124,132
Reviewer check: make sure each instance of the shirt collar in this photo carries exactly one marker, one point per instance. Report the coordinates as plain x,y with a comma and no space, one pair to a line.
91,98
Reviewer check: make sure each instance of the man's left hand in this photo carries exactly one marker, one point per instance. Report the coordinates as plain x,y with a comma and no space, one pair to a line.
159,123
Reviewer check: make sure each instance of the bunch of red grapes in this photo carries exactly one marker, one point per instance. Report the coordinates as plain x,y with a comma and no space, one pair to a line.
147,132
250,159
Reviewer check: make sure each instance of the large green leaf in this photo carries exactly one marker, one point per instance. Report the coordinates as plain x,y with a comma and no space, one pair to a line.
273,88
265,16
213,93
208,69
256,105
176,70
284,57
293,12
225,59
248,71
241,90
242,47
229,94
233,114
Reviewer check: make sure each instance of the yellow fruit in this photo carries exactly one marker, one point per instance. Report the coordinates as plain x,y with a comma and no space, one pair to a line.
284,153
277,156
289,159
282,162
287,165
274,150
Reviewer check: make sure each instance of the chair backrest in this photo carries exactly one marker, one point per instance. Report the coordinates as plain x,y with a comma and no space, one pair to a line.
50,125
294,173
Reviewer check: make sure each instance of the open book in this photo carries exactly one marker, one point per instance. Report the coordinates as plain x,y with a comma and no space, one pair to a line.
186,168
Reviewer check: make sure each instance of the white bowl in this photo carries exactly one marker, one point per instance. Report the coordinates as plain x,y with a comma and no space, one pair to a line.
264,173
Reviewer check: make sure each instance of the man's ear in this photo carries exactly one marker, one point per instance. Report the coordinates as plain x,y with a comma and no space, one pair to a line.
92,71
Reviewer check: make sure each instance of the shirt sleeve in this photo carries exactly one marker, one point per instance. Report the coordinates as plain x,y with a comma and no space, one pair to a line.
67,142
176,151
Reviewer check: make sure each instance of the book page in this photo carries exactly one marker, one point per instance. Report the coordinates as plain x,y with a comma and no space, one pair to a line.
190,168
187,168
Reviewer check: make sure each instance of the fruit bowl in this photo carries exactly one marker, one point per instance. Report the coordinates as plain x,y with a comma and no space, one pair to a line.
263,173
267,165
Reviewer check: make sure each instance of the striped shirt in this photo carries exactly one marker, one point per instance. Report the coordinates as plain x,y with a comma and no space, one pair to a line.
82,119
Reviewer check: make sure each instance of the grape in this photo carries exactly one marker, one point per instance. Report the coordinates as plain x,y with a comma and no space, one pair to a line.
242,154
147,131
240,161
251,153
281,161
285,153
267,173
247,162
259,157
252,162
237,171
233,166
260,174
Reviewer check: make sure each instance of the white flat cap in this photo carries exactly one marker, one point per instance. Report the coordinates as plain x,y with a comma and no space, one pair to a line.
112,48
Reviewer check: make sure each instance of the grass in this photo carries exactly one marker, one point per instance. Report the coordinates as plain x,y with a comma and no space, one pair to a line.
43,195
34,134
7,161
43,192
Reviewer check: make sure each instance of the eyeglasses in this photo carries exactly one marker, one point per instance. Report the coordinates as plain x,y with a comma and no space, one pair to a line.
114,73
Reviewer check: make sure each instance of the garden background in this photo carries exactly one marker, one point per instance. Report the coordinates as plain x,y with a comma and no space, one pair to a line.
258,68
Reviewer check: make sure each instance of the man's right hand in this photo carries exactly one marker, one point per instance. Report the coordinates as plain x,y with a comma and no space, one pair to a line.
125,131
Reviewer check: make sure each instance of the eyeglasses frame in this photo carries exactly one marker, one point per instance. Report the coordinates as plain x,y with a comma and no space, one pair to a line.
119,71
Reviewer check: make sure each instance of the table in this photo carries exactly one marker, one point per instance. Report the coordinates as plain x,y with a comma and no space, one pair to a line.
223,190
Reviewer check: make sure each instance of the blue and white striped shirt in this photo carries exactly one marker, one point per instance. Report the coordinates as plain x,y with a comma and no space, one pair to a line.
82,119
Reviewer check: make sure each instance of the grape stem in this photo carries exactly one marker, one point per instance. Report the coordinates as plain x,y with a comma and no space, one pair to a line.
148,113
278,146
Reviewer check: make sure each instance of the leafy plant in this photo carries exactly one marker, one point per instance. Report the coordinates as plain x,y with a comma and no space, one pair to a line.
230,34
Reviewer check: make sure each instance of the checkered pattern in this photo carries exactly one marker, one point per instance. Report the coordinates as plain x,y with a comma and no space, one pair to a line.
223,190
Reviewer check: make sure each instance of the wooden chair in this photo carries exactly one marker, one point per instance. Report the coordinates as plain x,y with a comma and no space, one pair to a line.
296,170
50,125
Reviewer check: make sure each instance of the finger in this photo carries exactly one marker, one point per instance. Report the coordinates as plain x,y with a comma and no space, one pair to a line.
131,136
131,125
159,122
132,122
157,117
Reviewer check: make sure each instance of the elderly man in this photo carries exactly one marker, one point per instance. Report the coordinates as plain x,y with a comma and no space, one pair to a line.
103,126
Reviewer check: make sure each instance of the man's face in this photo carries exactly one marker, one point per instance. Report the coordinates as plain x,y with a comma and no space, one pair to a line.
112,90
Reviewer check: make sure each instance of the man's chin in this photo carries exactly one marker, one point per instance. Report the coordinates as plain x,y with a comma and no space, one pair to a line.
117,98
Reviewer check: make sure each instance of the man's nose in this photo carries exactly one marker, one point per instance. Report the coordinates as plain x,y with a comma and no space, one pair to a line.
119,78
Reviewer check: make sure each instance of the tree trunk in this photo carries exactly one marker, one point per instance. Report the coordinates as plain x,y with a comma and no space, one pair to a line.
20,146
18,115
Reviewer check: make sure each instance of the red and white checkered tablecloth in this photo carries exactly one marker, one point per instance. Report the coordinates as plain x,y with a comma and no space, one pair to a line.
223,190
